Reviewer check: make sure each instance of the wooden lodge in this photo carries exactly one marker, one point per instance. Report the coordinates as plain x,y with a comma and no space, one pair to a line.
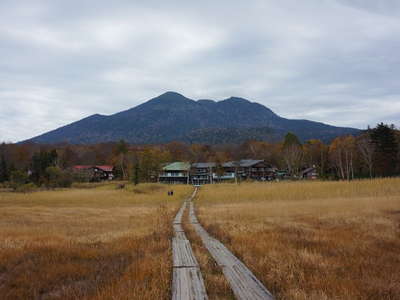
202,173
176,172
309,173
210,172
95,173
250,169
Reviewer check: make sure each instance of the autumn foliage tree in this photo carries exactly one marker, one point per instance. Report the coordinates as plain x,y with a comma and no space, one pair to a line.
375,152
151,160
342,152
316,154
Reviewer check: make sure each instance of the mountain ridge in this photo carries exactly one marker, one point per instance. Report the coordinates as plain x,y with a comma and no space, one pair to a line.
172,116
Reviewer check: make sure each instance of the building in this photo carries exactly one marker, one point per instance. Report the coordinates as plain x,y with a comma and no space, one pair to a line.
309,173
95,173
224,172
202,173
250,169
176,172
210,172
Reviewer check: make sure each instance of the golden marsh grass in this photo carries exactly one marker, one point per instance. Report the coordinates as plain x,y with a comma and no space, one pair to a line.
312,240
100,243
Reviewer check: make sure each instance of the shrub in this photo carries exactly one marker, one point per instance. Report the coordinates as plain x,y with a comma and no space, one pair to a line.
58,177
81,176
18,178
26,188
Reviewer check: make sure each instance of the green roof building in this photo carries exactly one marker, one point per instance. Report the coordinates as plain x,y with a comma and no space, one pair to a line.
177,166
176,172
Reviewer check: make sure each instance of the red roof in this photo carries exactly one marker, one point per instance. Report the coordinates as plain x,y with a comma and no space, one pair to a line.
81,167
86,167
106,168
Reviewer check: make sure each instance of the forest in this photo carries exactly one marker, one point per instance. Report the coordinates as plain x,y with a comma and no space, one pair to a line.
373,153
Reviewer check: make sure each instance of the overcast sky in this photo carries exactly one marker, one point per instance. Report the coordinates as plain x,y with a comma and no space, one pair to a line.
335,61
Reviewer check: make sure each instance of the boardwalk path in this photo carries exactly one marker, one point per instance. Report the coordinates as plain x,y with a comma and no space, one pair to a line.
187,281
242,281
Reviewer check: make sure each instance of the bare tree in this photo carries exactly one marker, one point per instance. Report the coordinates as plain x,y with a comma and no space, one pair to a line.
341,152
122,150
292,153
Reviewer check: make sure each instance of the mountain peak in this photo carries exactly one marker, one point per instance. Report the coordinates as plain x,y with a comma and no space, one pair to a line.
171,94
170,97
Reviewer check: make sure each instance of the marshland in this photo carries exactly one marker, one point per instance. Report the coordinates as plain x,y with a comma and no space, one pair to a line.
312,240
97,243
303,240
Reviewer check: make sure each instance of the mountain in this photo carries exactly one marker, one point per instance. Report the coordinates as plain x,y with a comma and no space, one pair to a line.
171,116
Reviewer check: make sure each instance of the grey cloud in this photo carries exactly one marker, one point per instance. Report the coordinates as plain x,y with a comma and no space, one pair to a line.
330,61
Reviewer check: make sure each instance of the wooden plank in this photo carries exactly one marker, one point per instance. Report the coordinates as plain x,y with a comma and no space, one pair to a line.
242,281
178,217
200,231
223,257
245,284
182,254
187,282
177,227
180,235
192,215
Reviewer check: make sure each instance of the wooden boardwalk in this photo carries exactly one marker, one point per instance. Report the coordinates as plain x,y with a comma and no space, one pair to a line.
242,281
187,281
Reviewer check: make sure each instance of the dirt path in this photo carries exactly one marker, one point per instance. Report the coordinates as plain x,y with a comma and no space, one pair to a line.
242,281
187,281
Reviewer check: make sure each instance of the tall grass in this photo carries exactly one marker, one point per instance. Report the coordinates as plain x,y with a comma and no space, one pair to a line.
100,243
301,190
312,240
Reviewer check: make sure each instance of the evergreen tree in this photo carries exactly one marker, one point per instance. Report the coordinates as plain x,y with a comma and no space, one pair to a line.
18,178
4,171
40,162
386,149
136,172
291,139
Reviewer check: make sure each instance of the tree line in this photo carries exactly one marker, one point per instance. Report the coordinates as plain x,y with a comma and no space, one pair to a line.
374,153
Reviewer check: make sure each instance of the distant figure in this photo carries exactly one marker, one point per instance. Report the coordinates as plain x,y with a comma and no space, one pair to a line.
172,192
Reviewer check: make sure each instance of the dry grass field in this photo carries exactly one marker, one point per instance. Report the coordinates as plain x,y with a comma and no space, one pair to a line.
97,243
312,240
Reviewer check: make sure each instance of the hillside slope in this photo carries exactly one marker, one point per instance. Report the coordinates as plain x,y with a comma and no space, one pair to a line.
171,116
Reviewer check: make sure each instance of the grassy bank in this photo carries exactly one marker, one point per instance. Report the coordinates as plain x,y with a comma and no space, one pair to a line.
91,243
312,240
